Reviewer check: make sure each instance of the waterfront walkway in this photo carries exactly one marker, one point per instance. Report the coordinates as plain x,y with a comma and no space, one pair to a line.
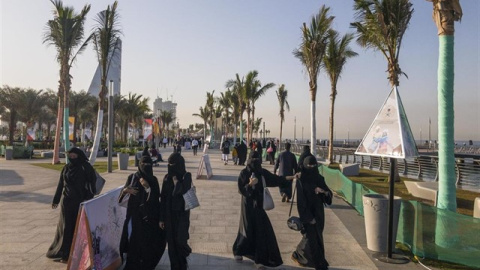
28,224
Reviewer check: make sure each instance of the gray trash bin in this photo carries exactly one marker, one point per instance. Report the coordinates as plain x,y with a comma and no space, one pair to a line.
8,154
375,210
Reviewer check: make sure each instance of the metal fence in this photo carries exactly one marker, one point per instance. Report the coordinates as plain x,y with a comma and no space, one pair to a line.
423,167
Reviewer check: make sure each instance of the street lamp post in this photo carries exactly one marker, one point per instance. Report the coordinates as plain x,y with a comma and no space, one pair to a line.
110,127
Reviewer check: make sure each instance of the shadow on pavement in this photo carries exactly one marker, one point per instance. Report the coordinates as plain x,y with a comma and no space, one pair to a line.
20,196
10,178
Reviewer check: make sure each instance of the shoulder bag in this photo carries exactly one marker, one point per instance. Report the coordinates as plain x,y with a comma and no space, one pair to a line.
293,222
267,197
190,198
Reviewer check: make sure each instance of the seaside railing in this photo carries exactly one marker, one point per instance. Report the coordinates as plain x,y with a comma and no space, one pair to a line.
424,167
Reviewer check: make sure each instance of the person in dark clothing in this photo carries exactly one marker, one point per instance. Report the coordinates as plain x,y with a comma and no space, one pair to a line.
242,153
142,240
286,165
305,153
76,184
225,151
256,239
174,218
313,193
259,149
145,151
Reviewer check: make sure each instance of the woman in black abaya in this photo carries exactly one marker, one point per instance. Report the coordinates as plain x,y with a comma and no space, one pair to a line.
256,239
76,184
313,193
174,218
142,239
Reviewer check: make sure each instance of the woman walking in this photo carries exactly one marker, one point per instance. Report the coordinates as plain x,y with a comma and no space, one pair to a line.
142,239
313,193
256,239
76,184
174,218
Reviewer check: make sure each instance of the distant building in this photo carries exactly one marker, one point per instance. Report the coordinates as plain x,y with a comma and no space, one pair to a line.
114,74
168,105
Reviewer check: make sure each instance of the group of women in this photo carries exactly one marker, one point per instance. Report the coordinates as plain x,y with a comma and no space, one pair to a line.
157,217
154,218
256,239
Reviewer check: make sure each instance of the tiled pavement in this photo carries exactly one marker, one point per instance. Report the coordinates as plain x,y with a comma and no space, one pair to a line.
27,222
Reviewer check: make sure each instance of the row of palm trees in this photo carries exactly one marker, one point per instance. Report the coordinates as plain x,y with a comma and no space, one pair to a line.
39,106
67,34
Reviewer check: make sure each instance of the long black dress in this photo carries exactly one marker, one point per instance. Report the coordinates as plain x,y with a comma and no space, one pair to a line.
76,184
142,239
256,239
242,153
173,214
311,210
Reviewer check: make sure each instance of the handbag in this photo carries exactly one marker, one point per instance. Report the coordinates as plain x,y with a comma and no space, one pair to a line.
293,222
191,200
99,183
270,150
267,197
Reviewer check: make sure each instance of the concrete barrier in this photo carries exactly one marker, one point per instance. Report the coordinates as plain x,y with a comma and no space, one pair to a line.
476,208
424,190
352,169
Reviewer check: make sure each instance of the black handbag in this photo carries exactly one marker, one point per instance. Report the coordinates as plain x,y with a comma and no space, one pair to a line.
293,222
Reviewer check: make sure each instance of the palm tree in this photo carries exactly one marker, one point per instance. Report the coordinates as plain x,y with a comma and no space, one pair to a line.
225,101
204,116
256,90
65,32
282,95
334,60
210,107
380,26
310,53
11,101
78,102
30,108
106,40
239,103
256,125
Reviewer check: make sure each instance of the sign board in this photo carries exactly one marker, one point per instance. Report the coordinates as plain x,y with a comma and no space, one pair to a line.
390,134
205,160
97,234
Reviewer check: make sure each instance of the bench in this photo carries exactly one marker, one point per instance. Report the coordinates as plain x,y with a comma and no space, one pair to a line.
424,190
351,169
476,208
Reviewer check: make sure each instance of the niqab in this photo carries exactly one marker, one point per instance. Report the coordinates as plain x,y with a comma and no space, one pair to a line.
254,163
176,165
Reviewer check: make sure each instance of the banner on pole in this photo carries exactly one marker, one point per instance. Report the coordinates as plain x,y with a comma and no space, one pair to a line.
71,122
147,129
31,130
390,134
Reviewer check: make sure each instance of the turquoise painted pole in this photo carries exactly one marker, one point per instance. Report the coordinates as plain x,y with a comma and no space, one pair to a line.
241,131
446,156
66,129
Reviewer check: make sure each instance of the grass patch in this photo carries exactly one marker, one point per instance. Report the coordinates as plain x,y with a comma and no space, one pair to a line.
378,182
99,166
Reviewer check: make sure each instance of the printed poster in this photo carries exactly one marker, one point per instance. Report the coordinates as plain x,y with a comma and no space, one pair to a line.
390,134
71,121
147,129
31,130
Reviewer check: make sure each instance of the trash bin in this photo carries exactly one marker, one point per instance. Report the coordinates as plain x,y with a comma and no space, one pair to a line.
375,210
8,153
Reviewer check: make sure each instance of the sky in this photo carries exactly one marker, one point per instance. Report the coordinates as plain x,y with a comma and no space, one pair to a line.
179,50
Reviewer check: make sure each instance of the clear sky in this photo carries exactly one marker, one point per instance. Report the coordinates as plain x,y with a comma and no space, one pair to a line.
181,49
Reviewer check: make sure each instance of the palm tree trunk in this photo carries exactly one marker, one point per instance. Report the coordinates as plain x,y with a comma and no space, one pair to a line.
446,155
248,126
330,139
313,127
56,144
280,144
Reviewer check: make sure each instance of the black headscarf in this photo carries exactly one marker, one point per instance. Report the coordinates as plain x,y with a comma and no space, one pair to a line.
80,159
254,163
145,151
176,165
310,166
145,169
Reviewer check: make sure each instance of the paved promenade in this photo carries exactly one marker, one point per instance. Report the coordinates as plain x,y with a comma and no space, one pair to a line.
28,224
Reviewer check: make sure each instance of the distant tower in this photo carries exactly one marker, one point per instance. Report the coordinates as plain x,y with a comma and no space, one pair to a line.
114,73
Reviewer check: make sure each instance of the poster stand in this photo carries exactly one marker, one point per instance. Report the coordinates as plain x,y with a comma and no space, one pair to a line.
204,162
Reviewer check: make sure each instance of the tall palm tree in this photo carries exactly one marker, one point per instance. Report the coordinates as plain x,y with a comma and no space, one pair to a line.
256,125
66,33
380,26
30,108
78,102
210,106
106,40
256,91
336,55
225,101
204,115
238,91
282,95
310,53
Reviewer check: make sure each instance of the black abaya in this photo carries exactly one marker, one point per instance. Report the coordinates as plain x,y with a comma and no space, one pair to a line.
173,213
256,239
242,153
145,243
76,184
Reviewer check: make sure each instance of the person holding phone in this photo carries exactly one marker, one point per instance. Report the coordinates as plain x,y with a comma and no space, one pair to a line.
142,240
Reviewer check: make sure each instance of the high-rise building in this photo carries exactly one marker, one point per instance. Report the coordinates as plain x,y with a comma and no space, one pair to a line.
168,106
114,74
